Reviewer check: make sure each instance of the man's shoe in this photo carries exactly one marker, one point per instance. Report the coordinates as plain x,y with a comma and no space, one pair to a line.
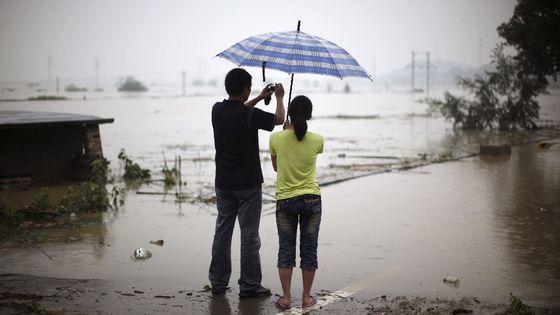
260,292
216,291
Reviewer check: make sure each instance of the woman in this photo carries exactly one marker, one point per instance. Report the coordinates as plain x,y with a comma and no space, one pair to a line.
298,198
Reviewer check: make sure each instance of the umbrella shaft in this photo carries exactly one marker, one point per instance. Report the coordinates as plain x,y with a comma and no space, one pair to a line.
290,95
291,84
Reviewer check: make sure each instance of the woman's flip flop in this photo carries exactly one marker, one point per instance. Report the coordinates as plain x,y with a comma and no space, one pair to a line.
281,305
312,302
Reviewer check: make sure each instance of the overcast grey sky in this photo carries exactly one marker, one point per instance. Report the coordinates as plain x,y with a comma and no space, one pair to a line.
159,38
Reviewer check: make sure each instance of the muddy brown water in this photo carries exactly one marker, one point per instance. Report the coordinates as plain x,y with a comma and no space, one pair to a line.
494,223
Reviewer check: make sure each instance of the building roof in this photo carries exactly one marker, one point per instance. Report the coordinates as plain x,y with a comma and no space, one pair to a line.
17,119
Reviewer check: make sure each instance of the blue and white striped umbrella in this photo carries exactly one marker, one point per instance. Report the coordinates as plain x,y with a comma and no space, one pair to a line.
295,52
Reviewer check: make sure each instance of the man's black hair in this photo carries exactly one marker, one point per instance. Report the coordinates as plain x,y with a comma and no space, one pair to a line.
236,80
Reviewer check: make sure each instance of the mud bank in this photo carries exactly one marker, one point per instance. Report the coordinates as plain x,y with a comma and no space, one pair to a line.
26,294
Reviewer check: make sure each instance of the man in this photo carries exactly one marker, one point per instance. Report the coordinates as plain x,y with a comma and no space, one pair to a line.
236,122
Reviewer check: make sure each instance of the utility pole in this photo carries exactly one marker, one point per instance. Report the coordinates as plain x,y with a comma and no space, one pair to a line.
428,72
412,73
96,73
57,84
479,51
183,76
49,68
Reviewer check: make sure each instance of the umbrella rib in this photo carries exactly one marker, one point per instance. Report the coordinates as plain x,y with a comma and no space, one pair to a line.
332,59
275,49
293,52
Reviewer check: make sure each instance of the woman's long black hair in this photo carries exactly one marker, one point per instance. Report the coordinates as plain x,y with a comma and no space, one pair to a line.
299,111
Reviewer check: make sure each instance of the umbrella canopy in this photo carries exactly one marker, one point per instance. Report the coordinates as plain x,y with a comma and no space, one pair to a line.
295,52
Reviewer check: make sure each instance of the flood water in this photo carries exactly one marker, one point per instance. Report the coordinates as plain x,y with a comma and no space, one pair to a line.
495,224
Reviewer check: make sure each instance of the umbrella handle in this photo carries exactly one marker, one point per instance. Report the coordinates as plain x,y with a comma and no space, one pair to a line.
263,66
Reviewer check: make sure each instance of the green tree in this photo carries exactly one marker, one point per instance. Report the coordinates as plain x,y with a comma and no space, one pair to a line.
503,98
534,31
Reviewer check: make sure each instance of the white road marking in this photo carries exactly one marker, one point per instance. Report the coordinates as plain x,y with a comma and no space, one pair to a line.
342,293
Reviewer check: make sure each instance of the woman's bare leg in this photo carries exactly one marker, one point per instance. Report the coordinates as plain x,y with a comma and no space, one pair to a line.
286,281
308,276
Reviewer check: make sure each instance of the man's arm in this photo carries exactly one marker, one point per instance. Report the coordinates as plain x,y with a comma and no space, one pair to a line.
253,102
264,93
280,112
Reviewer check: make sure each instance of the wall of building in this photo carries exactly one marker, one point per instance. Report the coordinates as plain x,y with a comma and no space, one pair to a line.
49,154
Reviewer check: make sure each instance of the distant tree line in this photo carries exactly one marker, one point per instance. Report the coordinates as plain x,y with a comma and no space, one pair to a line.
130,84
75,88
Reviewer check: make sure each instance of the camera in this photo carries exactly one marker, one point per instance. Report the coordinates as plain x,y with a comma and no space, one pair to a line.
271,88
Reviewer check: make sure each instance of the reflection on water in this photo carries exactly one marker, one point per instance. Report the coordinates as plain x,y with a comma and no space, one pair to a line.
527,214
494,224
220,304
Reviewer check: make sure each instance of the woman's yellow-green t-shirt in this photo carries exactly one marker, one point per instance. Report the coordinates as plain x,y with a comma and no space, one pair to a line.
295,163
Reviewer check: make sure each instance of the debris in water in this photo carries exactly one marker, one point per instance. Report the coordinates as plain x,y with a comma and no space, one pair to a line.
142,254
158,242
461,310
41,250
451,280
495,149
545,145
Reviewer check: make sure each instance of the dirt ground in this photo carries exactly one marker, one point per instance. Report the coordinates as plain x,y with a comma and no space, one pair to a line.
25,294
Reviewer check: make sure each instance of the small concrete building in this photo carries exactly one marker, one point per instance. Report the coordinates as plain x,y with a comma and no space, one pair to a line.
47,147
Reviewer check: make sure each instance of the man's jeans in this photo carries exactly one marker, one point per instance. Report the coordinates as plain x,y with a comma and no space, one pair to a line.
305,209
245,204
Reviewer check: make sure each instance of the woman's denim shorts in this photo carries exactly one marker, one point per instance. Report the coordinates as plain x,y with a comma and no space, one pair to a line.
305,210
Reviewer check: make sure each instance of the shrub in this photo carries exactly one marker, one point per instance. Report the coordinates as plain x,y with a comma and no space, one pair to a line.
41,202
130,84
133,171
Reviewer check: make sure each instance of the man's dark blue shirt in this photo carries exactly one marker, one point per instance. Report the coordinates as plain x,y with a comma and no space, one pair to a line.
236,139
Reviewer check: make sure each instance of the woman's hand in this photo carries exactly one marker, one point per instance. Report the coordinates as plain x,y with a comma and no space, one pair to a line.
286,124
